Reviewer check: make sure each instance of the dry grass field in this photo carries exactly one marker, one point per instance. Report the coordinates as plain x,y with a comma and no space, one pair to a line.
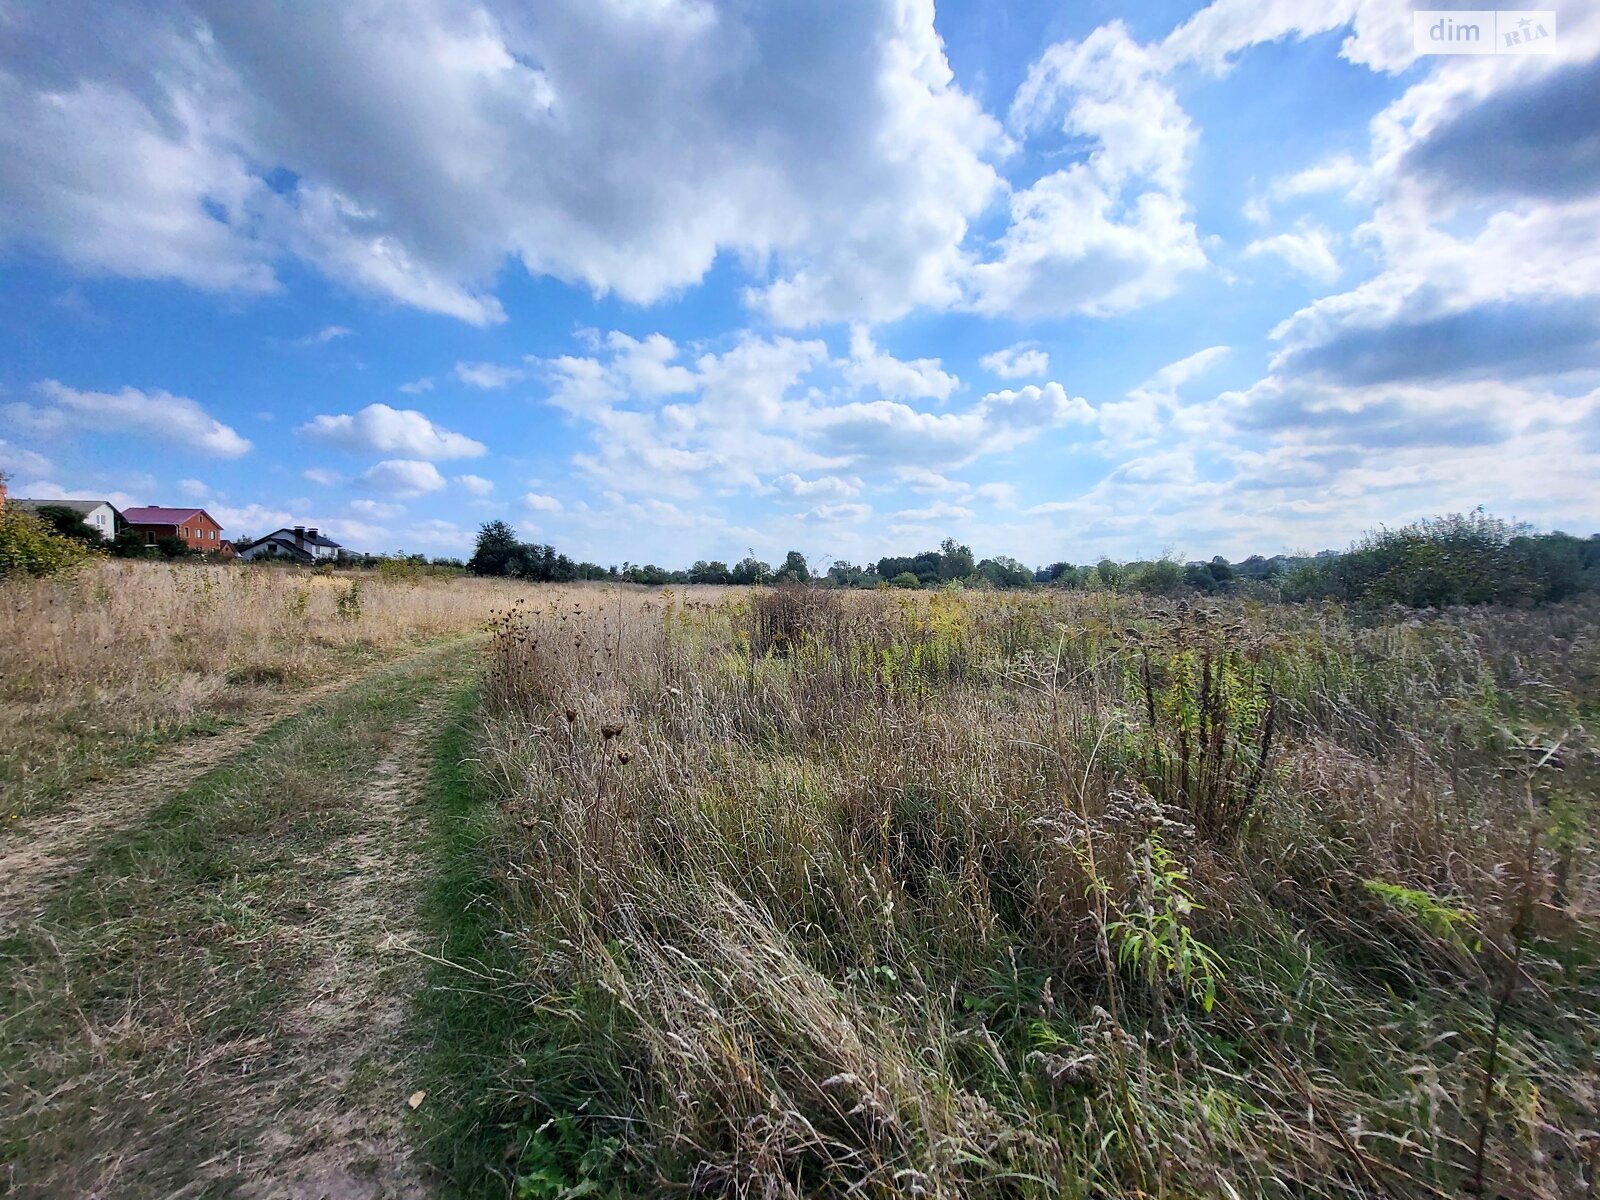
1041,895
560,891
100,669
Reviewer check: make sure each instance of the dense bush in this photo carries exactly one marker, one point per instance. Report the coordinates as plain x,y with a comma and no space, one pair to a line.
28,546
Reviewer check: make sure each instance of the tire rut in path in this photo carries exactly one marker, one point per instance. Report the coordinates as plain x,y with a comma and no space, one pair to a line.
36,859
344,1026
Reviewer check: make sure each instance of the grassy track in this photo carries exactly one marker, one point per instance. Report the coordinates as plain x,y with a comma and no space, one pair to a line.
467,1011
217,998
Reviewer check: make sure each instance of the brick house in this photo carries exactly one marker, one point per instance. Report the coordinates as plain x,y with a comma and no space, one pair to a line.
197,528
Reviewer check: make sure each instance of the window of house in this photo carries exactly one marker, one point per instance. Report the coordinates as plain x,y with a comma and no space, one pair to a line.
184,530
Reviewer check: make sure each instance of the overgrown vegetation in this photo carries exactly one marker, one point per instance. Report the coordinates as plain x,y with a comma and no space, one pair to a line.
102,665
31,546
1064,894
1459,559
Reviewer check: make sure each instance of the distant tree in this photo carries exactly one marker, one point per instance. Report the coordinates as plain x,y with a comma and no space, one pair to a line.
496,551
750,570
1005,572
172,546
69,523
848,575
1161,577
648,574
1064,574
906,579
794,569
709,572
1108,572
955,562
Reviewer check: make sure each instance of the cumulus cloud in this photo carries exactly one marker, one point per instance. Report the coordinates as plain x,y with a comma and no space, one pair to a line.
380,429
1016,362
539,502
323,476
824,486
1212,37
157,415
410,152
15,460
1112,231
476,484
1308,250
834,514
869,368
377,510
402,478
935,512
488,376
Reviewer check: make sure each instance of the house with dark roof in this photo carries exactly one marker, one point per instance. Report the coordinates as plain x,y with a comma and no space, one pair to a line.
293,544
195,527
100,515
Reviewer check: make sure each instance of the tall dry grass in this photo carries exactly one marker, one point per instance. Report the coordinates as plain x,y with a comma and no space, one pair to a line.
97,669
1048,895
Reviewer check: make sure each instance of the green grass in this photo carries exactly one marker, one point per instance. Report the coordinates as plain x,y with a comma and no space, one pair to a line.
467,1013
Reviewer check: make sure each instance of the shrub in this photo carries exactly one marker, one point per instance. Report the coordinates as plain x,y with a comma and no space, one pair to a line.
30,547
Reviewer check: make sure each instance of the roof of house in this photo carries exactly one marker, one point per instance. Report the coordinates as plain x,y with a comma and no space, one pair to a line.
307,536
155,514
280,543
81,507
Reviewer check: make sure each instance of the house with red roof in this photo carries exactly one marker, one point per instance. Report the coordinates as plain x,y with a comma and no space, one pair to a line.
197,528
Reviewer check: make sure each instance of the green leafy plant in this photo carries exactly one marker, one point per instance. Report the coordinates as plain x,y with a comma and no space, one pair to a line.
560,1161
1445,921
1155,941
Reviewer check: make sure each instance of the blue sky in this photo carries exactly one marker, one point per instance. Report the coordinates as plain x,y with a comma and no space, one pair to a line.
659,280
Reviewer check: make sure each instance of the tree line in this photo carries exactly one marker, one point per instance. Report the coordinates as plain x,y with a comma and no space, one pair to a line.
1471,558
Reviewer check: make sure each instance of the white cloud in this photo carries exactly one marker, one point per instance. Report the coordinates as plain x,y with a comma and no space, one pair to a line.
935,512
837,513
476,484
1016,362
381,429
488,376
1175,374
418,386
1308,250
376,510
1111,232
1341,173
539,502
871,369
1381,38
157,415
194,489
403,478
430,144
833,486
15,460
328,333
323,476
439,534
647,366
751,417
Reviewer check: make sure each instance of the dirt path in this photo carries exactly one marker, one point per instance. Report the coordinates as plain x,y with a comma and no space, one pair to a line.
214,997
36,858
344,1025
